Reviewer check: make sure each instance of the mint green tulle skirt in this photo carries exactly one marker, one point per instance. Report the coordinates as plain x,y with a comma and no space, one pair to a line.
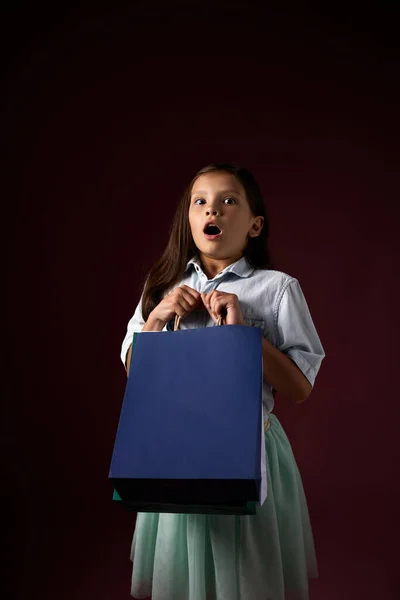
267,556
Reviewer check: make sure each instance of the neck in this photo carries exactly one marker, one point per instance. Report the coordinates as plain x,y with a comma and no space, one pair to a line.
212,266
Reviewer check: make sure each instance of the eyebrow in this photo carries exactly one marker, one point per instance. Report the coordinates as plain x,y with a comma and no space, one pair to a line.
235,192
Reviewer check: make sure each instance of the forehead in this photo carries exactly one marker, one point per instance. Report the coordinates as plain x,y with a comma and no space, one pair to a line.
215,182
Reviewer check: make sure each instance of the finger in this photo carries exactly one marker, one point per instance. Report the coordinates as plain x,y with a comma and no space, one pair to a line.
219,307
190,299
206,302
179,310
192,296
211,297
182,308
182,302
191,291
187,301
213,312
217,303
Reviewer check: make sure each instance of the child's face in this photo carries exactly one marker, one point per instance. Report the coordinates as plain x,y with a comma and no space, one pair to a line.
220,197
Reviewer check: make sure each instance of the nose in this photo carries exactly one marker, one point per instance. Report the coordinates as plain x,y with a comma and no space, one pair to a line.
213,212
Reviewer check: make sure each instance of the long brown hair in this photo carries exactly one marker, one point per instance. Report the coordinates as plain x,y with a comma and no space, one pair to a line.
171,266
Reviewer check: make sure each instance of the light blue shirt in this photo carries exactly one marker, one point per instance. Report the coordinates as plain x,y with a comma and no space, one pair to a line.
271,300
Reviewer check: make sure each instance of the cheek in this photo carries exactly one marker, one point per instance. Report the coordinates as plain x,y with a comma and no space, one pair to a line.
194,223
241,227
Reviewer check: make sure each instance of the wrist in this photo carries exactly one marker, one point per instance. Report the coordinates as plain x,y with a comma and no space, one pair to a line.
153,324
235,322
235,319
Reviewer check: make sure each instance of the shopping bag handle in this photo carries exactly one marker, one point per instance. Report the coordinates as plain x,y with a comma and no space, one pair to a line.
177,323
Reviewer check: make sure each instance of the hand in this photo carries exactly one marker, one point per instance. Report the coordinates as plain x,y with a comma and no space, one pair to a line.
181,301
218,303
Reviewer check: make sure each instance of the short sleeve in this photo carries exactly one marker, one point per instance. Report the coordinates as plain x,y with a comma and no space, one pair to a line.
135,325
295,333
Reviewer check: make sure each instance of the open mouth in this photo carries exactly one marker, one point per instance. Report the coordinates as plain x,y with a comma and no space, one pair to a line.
212,230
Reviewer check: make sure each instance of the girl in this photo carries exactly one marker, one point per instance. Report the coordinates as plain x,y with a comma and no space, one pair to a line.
216,263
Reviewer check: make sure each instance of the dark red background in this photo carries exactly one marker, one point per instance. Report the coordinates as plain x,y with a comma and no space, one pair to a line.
107,117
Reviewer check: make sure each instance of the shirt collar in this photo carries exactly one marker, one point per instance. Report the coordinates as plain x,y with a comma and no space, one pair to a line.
241,267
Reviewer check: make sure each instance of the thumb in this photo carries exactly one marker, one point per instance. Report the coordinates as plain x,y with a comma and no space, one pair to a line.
204,300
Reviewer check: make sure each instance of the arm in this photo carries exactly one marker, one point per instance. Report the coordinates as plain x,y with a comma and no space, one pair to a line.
279,371
181,301
283,374
152,324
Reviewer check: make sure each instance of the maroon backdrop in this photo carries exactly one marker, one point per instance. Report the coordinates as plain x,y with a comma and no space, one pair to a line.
107,117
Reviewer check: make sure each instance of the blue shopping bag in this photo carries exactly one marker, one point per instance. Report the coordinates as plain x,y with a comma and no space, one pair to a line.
189,433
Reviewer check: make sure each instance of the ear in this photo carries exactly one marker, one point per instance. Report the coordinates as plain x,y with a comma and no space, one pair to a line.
256,227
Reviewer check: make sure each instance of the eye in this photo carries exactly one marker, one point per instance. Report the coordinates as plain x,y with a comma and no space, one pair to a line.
199,200
231,201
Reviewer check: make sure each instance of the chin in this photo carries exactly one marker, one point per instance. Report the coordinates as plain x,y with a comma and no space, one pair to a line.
210,250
